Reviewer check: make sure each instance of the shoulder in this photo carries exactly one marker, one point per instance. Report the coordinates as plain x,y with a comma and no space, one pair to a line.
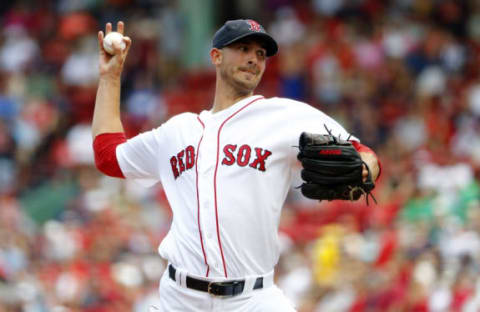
180,119
305,117
183,117
174,124
290,106
286,102
282,101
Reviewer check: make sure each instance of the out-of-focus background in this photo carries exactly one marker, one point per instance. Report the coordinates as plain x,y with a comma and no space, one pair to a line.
402,75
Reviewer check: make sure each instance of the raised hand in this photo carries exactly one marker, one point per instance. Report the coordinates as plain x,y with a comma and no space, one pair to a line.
112,65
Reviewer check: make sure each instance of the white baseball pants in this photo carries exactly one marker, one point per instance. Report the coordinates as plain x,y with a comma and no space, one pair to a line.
174,297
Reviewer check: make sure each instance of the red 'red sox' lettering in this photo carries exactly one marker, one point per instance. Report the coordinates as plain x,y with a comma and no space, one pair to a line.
180,161
262,155
173,163
190,151
177,163
228,151
185,159
243,156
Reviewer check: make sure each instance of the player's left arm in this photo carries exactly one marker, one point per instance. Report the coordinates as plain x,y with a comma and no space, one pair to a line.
370,159
312,120
366,153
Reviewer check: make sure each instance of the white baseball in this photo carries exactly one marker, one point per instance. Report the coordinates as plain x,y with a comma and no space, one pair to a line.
113,38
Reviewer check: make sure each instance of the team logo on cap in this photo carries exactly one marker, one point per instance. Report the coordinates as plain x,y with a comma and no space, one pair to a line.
254,26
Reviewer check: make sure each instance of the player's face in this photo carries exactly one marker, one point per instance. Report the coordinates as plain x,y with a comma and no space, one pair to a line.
243,64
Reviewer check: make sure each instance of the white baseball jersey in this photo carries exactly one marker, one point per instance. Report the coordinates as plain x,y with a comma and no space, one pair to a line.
226,176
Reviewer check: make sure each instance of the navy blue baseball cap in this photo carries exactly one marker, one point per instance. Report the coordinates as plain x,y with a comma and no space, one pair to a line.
235,30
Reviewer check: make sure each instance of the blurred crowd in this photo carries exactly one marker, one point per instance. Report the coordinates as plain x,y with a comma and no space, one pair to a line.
402,75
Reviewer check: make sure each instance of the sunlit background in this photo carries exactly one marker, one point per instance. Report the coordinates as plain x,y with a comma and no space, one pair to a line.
402,75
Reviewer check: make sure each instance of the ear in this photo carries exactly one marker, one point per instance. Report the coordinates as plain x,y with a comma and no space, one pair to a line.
216,56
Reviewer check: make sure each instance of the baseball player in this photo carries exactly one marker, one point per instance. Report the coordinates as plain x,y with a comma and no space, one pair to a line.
226,173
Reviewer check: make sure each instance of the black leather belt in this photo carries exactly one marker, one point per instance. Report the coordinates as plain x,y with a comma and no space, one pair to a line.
227,288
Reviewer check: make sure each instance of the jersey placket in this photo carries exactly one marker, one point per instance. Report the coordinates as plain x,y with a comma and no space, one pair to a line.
209,189
206,194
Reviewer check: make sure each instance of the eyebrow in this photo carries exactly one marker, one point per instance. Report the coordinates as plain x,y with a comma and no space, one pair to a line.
249,40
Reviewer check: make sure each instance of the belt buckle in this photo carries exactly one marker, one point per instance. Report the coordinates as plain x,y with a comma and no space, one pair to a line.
232,284
210,291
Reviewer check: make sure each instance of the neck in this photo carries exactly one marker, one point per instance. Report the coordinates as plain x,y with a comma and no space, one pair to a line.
226,96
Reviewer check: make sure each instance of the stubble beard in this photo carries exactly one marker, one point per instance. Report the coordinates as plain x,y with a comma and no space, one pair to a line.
240,87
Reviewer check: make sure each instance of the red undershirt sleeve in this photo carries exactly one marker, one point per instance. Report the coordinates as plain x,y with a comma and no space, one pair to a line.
365,149
104,147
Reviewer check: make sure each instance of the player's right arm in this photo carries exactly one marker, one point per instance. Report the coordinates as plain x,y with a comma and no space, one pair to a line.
136,158
106,116
107,129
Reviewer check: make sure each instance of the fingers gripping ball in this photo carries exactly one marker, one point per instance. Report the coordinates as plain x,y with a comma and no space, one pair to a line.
113,39
332,169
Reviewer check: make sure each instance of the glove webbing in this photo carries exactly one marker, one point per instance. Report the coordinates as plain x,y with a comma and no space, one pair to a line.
356,188
367,194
